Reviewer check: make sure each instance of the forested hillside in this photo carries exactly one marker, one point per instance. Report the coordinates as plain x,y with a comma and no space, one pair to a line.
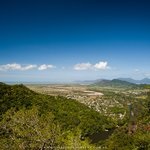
135,133
33,121
29,120
115,83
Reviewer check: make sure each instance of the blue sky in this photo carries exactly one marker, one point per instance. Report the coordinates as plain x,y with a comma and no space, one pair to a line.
60,41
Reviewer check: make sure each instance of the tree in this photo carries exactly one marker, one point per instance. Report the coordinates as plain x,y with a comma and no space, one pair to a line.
25,129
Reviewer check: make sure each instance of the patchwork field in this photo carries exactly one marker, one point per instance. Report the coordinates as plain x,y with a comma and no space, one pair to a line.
111,102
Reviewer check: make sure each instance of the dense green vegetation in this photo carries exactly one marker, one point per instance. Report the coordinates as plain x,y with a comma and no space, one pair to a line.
29,120
134,134
32,121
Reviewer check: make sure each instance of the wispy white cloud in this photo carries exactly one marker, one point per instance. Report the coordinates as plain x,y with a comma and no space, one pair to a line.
102,65
82,66
44,67
13,66
19,67
16,66
28,67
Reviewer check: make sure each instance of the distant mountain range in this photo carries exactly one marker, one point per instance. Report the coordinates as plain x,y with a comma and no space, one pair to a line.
143,81
115,83
129,80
